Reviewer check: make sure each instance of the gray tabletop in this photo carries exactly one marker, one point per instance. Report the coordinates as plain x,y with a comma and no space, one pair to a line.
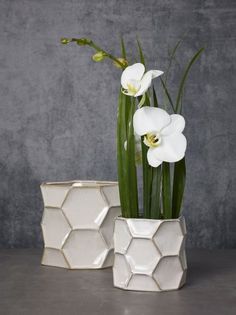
26,287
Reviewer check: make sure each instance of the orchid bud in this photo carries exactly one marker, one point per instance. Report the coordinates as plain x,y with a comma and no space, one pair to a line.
123,61
65,41
99,56
82,41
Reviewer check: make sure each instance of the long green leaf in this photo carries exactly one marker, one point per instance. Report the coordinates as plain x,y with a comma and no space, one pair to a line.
178,187
166,191
126,153
155,205
122,155
147,169
155,212
145,178
147,182
167,94
179,176
178,107
155,101
164,82
172,56
123,50
141,55
126,157
131,164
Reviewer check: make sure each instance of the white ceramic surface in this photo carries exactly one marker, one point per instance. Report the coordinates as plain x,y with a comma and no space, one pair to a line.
78,223
149,254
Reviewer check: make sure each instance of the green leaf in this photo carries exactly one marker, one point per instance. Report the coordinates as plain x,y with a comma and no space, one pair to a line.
131,164
147,183
178,107
155,101
178,187
155,211
172,56
166,191
141,55
166,74
127,177
147,169
167,94
147,176
122,155
156,193
123,50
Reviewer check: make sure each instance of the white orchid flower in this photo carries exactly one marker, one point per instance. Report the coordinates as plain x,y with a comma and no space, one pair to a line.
135,82
162,134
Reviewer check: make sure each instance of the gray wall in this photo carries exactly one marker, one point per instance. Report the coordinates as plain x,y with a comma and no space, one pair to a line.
58,109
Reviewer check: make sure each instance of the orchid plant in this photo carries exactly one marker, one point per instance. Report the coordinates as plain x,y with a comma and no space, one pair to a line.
148,134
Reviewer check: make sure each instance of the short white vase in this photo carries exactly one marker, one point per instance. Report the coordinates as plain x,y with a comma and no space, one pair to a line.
78,223
149,254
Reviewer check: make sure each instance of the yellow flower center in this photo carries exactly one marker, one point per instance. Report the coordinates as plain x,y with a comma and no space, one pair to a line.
152,140
131,89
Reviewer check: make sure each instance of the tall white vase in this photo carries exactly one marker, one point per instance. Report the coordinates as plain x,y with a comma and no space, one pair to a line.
78,223
149,254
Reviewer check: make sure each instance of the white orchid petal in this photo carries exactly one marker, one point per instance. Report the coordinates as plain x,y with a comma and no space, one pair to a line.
152,160
155,73
176,125
134,72
150,119
147,81
172,148
145,84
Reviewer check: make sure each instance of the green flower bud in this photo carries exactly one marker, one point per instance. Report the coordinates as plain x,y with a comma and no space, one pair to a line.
99,56
65,41
82,41
123,61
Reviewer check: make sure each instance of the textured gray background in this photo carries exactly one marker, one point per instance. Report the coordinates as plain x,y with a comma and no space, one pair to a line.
58,109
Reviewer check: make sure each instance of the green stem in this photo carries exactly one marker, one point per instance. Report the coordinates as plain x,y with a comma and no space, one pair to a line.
97,48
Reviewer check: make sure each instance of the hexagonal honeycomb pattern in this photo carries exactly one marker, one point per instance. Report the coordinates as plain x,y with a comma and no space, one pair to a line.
149,254
78,223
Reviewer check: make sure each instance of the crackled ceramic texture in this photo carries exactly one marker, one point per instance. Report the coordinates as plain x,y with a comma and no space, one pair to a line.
149,254
78,223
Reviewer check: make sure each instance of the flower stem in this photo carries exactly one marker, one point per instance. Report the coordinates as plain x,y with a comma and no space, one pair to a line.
97,48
